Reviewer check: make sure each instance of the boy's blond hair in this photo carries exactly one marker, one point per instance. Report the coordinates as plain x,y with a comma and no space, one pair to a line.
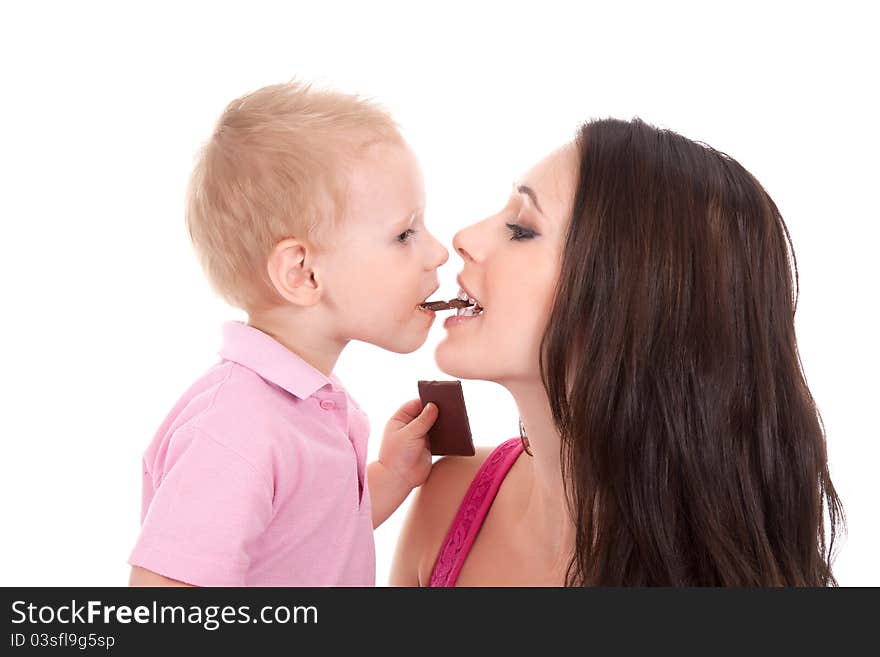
275,167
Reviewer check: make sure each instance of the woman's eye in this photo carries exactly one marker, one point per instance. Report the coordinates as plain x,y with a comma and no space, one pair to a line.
518,233
403,238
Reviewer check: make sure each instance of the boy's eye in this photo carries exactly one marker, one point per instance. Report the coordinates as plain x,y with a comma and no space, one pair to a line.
403,238
519,233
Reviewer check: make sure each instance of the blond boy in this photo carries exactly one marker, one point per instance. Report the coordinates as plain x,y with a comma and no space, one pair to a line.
306,208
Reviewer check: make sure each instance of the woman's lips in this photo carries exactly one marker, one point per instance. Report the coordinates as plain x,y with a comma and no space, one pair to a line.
459,320
467,309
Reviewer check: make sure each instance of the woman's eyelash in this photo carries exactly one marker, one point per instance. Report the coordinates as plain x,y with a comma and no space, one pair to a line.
403,238
519,233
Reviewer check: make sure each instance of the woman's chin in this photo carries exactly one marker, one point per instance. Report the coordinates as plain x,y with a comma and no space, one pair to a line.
454,361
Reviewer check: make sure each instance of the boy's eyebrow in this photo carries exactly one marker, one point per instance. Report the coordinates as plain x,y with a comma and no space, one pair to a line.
528,191
408,220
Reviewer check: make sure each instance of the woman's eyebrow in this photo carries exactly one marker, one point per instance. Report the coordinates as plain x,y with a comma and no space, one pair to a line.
528,191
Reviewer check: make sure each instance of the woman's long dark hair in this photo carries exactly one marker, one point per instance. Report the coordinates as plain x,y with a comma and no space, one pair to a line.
692,449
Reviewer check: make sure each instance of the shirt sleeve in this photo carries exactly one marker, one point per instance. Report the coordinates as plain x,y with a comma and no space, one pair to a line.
206,513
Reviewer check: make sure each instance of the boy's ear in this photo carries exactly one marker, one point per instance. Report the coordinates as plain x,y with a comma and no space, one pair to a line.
290,271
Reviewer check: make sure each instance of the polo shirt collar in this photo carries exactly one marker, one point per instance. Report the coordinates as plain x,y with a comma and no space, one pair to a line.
270,359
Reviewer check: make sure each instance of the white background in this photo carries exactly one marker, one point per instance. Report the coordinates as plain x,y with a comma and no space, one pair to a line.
106,317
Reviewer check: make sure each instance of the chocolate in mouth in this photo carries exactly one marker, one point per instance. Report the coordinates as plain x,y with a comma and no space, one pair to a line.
446,305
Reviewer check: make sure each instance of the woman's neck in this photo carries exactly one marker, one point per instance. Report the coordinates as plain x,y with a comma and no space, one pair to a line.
545,512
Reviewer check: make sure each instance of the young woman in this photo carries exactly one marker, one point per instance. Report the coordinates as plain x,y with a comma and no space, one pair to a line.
638,302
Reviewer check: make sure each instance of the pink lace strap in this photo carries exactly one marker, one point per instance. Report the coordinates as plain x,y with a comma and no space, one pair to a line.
472,512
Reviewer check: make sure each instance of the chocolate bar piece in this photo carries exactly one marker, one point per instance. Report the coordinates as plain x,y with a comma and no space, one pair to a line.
446,305
451,433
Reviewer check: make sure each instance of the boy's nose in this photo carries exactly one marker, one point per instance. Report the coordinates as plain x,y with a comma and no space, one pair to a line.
444,255
439,255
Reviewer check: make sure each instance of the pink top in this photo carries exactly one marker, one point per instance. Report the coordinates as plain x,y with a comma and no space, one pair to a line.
257,476
473,510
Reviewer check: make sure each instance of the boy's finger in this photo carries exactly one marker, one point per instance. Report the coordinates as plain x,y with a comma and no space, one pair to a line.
408,412
425,420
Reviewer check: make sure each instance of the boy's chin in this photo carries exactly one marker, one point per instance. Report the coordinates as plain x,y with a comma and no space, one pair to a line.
402,344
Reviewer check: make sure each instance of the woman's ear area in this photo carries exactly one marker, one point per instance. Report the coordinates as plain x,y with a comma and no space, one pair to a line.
290,268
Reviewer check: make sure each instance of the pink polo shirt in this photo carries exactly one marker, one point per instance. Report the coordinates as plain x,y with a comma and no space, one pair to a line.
257,477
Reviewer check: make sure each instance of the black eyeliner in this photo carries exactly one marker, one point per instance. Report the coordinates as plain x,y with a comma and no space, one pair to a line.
521,233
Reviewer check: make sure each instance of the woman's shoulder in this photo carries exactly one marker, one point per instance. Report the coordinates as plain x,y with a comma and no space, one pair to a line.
430,515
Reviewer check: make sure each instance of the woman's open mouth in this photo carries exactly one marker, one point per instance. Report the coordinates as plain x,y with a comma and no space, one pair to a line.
464,305
467,315
474,309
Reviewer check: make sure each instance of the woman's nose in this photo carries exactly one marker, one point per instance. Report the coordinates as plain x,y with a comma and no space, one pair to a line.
465,243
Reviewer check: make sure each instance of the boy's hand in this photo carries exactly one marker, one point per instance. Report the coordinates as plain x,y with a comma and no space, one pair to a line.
404,449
